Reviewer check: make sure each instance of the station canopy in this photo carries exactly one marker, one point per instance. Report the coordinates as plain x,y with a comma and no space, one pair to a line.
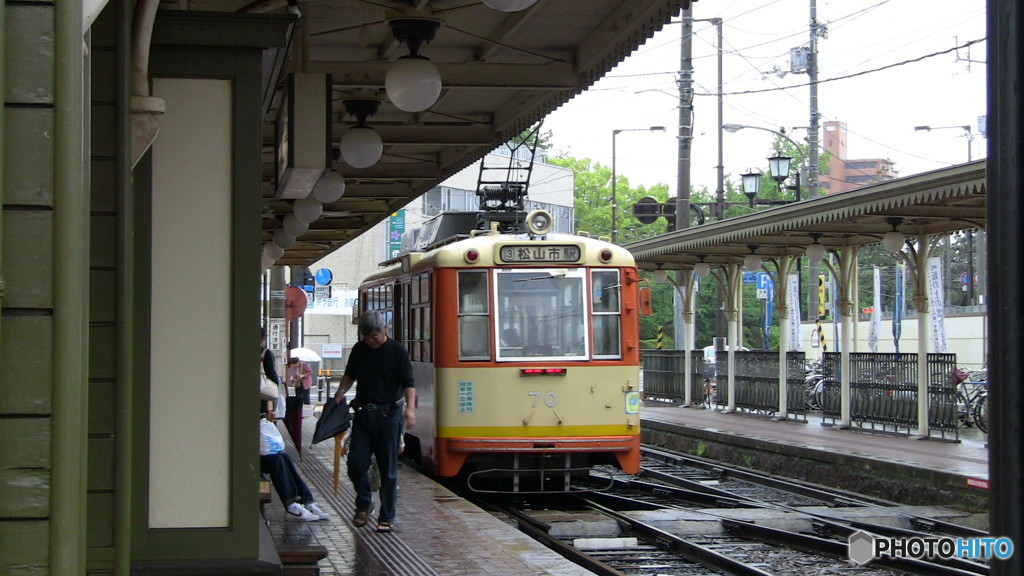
501,73
931,203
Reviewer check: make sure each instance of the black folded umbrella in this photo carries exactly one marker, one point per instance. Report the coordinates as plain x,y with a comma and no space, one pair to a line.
334,420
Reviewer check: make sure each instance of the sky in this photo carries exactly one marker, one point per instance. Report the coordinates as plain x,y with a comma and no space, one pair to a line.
881,108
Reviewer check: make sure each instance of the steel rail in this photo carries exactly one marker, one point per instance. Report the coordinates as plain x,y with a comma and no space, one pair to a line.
925,524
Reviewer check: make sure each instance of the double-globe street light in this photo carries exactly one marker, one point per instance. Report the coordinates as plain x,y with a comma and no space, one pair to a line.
615,196
778,167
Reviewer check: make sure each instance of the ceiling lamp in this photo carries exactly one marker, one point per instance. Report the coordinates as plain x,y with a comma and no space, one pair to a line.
266,261
701,269
283,239
272,251
659,276
307,210
361,146
413,82
816,251
752,261
330,187
510,5
893,241
293,226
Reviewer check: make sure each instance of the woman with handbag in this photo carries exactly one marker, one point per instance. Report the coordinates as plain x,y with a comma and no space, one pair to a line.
269,403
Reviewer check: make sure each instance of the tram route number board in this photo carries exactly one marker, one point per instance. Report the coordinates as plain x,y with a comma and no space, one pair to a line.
549,253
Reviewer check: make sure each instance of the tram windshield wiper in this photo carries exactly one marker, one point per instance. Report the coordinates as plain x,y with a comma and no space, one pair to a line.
557,274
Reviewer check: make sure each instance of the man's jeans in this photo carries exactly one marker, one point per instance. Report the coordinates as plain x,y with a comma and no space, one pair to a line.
375,433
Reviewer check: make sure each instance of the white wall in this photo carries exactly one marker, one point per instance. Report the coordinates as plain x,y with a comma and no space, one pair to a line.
966,334
191,328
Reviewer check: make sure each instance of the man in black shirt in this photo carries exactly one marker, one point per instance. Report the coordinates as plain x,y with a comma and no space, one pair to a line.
382,368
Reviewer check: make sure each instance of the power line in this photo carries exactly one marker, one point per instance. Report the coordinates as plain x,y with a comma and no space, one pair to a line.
848,76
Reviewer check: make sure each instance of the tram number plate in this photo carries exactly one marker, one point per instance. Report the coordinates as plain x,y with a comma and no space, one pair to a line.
532,253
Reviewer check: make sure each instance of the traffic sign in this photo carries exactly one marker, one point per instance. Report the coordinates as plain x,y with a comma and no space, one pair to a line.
324,276
965,279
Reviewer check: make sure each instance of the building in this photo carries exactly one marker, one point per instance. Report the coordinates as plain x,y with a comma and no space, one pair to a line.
846,174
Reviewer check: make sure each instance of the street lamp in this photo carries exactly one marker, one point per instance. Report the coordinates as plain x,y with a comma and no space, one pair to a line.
966,129
751,185
778,165
615,197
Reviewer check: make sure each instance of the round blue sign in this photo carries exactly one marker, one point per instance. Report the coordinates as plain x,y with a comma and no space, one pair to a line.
324,277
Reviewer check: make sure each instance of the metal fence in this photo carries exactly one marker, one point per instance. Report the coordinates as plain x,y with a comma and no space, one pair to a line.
757,380
663,372
883,391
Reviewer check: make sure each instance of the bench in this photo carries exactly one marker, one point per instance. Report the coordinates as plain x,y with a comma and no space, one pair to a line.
297,547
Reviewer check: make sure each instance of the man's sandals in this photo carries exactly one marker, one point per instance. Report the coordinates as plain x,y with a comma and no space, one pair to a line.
359,520
385,526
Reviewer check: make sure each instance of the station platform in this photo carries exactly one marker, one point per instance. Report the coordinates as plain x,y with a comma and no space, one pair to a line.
895,467
436,533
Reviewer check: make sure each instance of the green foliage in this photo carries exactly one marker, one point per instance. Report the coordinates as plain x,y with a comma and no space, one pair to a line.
593,202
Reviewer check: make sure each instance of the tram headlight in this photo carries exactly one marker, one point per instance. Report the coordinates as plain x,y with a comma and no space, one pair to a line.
605,254
472,255
539,222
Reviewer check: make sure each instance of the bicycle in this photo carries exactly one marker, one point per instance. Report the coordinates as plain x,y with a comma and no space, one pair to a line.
972,399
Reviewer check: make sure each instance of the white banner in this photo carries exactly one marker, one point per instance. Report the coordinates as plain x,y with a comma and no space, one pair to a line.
936,304
875,328
340,303
796,342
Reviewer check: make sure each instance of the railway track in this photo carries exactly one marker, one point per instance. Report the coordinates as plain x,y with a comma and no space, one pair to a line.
739,546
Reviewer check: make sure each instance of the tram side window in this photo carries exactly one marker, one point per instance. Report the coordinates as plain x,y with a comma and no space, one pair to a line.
473,315
606,313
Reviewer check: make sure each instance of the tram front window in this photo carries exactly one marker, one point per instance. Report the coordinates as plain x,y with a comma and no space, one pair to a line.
540,314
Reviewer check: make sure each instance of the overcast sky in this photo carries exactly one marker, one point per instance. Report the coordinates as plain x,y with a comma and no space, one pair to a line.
881,108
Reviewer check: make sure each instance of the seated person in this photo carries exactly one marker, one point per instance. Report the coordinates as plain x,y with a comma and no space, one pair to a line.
291,489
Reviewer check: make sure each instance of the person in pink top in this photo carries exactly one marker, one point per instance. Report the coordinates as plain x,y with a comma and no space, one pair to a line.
300,376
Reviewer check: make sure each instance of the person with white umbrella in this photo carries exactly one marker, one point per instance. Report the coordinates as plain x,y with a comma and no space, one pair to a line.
299,375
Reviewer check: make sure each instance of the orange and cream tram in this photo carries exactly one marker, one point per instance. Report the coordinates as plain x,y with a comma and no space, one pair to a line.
525,348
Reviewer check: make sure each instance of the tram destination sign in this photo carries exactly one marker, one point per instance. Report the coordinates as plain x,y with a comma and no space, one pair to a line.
535,253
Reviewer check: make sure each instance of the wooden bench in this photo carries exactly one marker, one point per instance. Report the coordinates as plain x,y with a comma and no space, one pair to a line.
297,547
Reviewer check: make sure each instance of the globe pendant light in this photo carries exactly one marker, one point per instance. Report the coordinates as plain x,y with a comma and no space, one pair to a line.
272,251
815,252
283,239
293,226
413,83
894,240
330,187
307,210
361,146
510,5
701,269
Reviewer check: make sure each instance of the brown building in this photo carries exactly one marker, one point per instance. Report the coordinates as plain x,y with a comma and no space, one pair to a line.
844,174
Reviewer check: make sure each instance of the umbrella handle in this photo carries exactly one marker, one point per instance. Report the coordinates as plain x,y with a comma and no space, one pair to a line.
337,462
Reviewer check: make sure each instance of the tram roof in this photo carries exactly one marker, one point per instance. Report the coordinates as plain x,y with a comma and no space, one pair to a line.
936,202
501,72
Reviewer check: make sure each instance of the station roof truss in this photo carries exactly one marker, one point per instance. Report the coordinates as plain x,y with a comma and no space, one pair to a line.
934,203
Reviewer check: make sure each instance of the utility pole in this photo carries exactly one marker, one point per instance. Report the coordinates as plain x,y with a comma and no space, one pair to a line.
685,84
812,144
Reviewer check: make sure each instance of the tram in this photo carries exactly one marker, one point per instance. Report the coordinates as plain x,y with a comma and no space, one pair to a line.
525,350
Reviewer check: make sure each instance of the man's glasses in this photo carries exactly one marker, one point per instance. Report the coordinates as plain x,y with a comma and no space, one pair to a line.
374,336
